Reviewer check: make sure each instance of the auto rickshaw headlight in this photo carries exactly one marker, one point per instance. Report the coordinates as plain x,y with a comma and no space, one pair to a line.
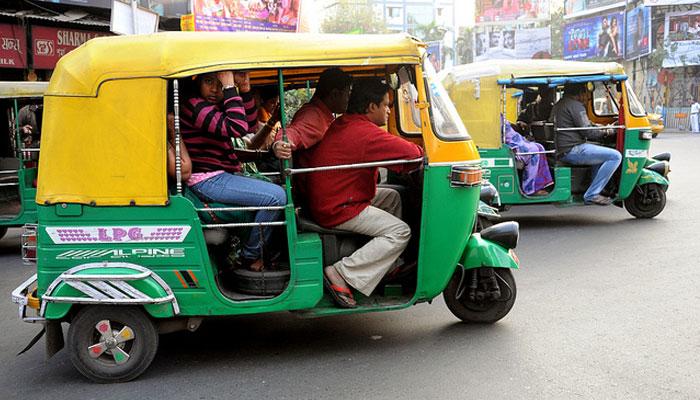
645,134
466,175
506,234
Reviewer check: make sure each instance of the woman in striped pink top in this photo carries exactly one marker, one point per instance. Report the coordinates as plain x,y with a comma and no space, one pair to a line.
211,118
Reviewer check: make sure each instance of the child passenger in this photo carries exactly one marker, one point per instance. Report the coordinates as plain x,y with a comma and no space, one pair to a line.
211,117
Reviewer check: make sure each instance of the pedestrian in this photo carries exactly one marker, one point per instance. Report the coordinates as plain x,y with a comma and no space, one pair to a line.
695,117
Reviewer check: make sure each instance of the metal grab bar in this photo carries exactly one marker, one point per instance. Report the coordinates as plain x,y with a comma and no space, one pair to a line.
529,153
261,208
244,224
592,128
29,149
9,171
9,184
293,171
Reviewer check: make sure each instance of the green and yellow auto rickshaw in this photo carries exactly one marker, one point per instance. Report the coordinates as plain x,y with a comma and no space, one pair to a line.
484,91
123,254
21,107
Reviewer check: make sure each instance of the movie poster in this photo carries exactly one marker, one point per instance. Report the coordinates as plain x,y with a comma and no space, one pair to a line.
435,54
578,6
682,39
638,36
499,44
511,10
599,38
246,15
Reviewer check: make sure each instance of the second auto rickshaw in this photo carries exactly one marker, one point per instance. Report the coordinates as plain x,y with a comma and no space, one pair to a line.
485,91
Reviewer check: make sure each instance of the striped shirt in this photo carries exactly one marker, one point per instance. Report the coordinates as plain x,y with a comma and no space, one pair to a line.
208,128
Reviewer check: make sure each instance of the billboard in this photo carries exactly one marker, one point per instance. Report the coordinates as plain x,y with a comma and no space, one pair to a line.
572,7
499,44
13,46
49,44
682,39
638,32
246,15
435,54
668,2
511,10
599,38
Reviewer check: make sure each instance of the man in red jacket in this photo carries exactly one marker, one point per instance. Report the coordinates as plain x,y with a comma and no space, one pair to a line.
349,200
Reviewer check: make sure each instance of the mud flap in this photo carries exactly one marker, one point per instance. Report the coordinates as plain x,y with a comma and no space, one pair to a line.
54,338
33,341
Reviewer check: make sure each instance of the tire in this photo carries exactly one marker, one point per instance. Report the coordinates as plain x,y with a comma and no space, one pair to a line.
654,135
486,311
646,201
3,231
263,283
141,348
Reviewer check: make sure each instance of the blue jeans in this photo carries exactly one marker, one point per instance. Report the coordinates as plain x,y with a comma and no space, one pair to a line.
249,192
603,161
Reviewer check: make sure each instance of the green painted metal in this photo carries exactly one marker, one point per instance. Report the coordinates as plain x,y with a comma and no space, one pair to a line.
634,158
504,175
482,253
447,221
147,286
648,176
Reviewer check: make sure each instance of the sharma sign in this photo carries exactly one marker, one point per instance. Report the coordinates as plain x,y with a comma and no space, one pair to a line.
50,44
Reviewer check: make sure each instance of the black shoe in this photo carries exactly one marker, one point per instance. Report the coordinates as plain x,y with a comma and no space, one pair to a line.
599,201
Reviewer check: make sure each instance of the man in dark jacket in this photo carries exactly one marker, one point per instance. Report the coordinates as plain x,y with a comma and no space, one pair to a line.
572,146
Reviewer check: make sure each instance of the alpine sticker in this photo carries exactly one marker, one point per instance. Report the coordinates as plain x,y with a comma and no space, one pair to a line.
119,234
121,253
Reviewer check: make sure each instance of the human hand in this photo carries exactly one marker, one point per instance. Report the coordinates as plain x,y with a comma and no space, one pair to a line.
226,78
242,80
27,129
282,150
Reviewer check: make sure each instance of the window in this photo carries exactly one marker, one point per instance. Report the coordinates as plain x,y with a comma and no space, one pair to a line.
636,107
605,99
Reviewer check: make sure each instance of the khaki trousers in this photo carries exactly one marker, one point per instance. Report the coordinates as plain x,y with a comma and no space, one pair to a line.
364,268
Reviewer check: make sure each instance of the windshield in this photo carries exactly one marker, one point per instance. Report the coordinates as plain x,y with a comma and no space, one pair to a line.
446,122
636,107
605,99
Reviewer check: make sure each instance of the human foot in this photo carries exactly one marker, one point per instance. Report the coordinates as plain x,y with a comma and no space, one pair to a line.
342,295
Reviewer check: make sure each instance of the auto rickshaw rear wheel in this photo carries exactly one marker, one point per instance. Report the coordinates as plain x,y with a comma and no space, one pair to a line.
646,201
472,296
110,344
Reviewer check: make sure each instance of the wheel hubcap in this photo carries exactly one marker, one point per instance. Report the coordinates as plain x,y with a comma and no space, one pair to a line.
111,342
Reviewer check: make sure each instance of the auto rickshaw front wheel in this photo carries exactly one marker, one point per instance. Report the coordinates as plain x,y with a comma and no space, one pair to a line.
646,201
110,344
480,295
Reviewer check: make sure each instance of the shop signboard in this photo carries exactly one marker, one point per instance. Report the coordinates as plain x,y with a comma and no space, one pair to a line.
573,8
489,11
638,32
86,3
13,46
668,2
682,39
49,44
243,15
599,38
502,44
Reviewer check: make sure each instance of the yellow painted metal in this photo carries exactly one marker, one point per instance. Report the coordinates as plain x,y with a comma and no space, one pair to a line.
180,54
105,150
477,96
436,149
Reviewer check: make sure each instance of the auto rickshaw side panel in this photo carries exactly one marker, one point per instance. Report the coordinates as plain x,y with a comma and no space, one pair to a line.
168,241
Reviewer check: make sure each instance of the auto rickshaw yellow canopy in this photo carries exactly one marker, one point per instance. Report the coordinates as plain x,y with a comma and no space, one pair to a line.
104,141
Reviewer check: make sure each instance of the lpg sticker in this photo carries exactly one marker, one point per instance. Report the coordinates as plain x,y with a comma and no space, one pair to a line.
119,234
633,153
121,253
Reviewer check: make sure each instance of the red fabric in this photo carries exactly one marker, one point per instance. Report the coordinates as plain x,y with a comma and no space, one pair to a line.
335,197
308,125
